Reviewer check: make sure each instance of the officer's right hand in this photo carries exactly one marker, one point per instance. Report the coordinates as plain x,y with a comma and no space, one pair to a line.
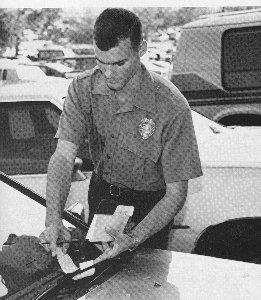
52,234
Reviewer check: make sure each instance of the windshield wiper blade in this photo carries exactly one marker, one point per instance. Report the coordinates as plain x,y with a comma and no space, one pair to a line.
68,216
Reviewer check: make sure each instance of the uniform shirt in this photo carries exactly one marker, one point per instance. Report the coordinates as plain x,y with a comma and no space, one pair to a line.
120,154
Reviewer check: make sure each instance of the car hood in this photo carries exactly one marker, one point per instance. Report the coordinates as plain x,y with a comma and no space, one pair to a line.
240,146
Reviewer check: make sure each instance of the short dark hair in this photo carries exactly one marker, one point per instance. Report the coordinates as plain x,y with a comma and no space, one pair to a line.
114,25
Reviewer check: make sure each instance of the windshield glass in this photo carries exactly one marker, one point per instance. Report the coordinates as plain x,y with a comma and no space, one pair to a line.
20,215
23,261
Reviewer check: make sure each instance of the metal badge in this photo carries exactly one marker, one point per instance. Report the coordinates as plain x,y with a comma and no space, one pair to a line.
146,128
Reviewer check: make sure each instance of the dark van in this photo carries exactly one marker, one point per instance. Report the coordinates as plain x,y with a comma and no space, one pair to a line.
217,66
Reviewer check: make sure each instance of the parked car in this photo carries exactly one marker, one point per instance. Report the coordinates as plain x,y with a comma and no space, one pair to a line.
229,188
231,183
83,49
16,71
57,69
217,66
159,67
48,53
29,116
158,54
11,71
77,63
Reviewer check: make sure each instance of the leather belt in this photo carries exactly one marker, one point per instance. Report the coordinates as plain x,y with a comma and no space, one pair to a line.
117,191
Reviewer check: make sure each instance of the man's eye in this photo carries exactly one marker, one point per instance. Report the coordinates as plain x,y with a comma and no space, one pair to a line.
121,63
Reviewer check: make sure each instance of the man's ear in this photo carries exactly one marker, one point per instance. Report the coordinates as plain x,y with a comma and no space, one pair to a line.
143,48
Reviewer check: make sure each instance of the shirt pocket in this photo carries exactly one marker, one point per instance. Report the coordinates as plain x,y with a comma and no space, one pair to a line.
144,155
147,149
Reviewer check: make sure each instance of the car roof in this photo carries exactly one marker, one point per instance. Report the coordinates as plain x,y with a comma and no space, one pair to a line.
57,66
34,91
6,63
236,17
198,55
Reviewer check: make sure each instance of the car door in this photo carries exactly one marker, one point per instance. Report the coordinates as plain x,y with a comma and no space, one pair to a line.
27,130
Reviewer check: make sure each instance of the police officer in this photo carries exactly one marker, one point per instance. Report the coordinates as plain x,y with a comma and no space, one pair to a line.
141,139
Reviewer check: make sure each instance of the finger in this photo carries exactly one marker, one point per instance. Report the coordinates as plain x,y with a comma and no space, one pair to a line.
53,248
108,253
99,246
104,256
65,247
112,232
67,237
105,246
53,241
44,245
43,240
84,274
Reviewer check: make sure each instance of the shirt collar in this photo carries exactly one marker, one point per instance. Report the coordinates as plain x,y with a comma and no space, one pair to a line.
99,84
145,98
129,93
142,96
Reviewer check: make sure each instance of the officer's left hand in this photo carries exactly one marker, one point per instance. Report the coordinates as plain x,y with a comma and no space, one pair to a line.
121,242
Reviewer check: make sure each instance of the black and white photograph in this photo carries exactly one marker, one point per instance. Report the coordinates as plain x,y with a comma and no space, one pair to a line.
130,150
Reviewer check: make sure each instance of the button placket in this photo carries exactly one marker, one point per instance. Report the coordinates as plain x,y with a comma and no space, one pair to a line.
119,119
111,146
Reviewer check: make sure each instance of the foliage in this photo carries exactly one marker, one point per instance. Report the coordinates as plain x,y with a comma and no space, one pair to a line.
75,26
40,21
78,27
5,32
44,23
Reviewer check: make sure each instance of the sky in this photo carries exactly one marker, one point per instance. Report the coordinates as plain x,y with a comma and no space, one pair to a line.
125,3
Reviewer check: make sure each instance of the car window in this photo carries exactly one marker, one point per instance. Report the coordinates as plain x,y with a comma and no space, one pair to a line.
9,74
47,54
80,63
84,51
241,58
27,131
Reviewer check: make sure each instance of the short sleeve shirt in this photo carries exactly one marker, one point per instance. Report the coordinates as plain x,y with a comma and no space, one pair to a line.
121,151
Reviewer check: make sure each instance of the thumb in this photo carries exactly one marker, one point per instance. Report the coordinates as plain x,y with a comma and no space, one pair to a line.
53,240
53,247
67,237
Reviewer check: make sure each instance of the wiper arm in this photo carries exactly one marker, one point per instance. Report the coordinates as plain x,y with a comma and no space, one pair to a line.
215,129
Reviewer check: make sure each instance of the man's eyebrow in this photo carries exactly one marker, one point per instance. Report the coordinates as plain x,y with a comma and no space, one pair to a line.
115,63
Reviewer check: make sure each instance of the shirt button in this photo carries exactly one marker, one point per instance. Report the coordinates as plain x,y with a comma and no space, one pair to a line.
112,135
108,156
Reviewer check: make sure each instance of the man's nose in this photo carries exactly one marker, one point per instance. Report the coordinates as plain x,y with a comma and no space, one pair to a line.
109,71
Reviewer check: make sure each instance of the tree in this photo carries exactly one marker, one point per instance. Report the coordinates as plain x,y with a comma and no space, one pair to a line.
45,23
79,27
188,14
40,21
154,18
5,32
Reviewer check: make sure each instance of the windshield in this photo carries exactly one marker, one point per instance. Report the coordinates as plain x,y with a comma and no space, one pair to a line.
23,218
20,215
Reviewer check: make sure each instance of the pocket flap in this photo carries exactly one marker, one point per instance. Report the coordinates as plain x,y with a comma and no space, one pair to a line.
143,148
